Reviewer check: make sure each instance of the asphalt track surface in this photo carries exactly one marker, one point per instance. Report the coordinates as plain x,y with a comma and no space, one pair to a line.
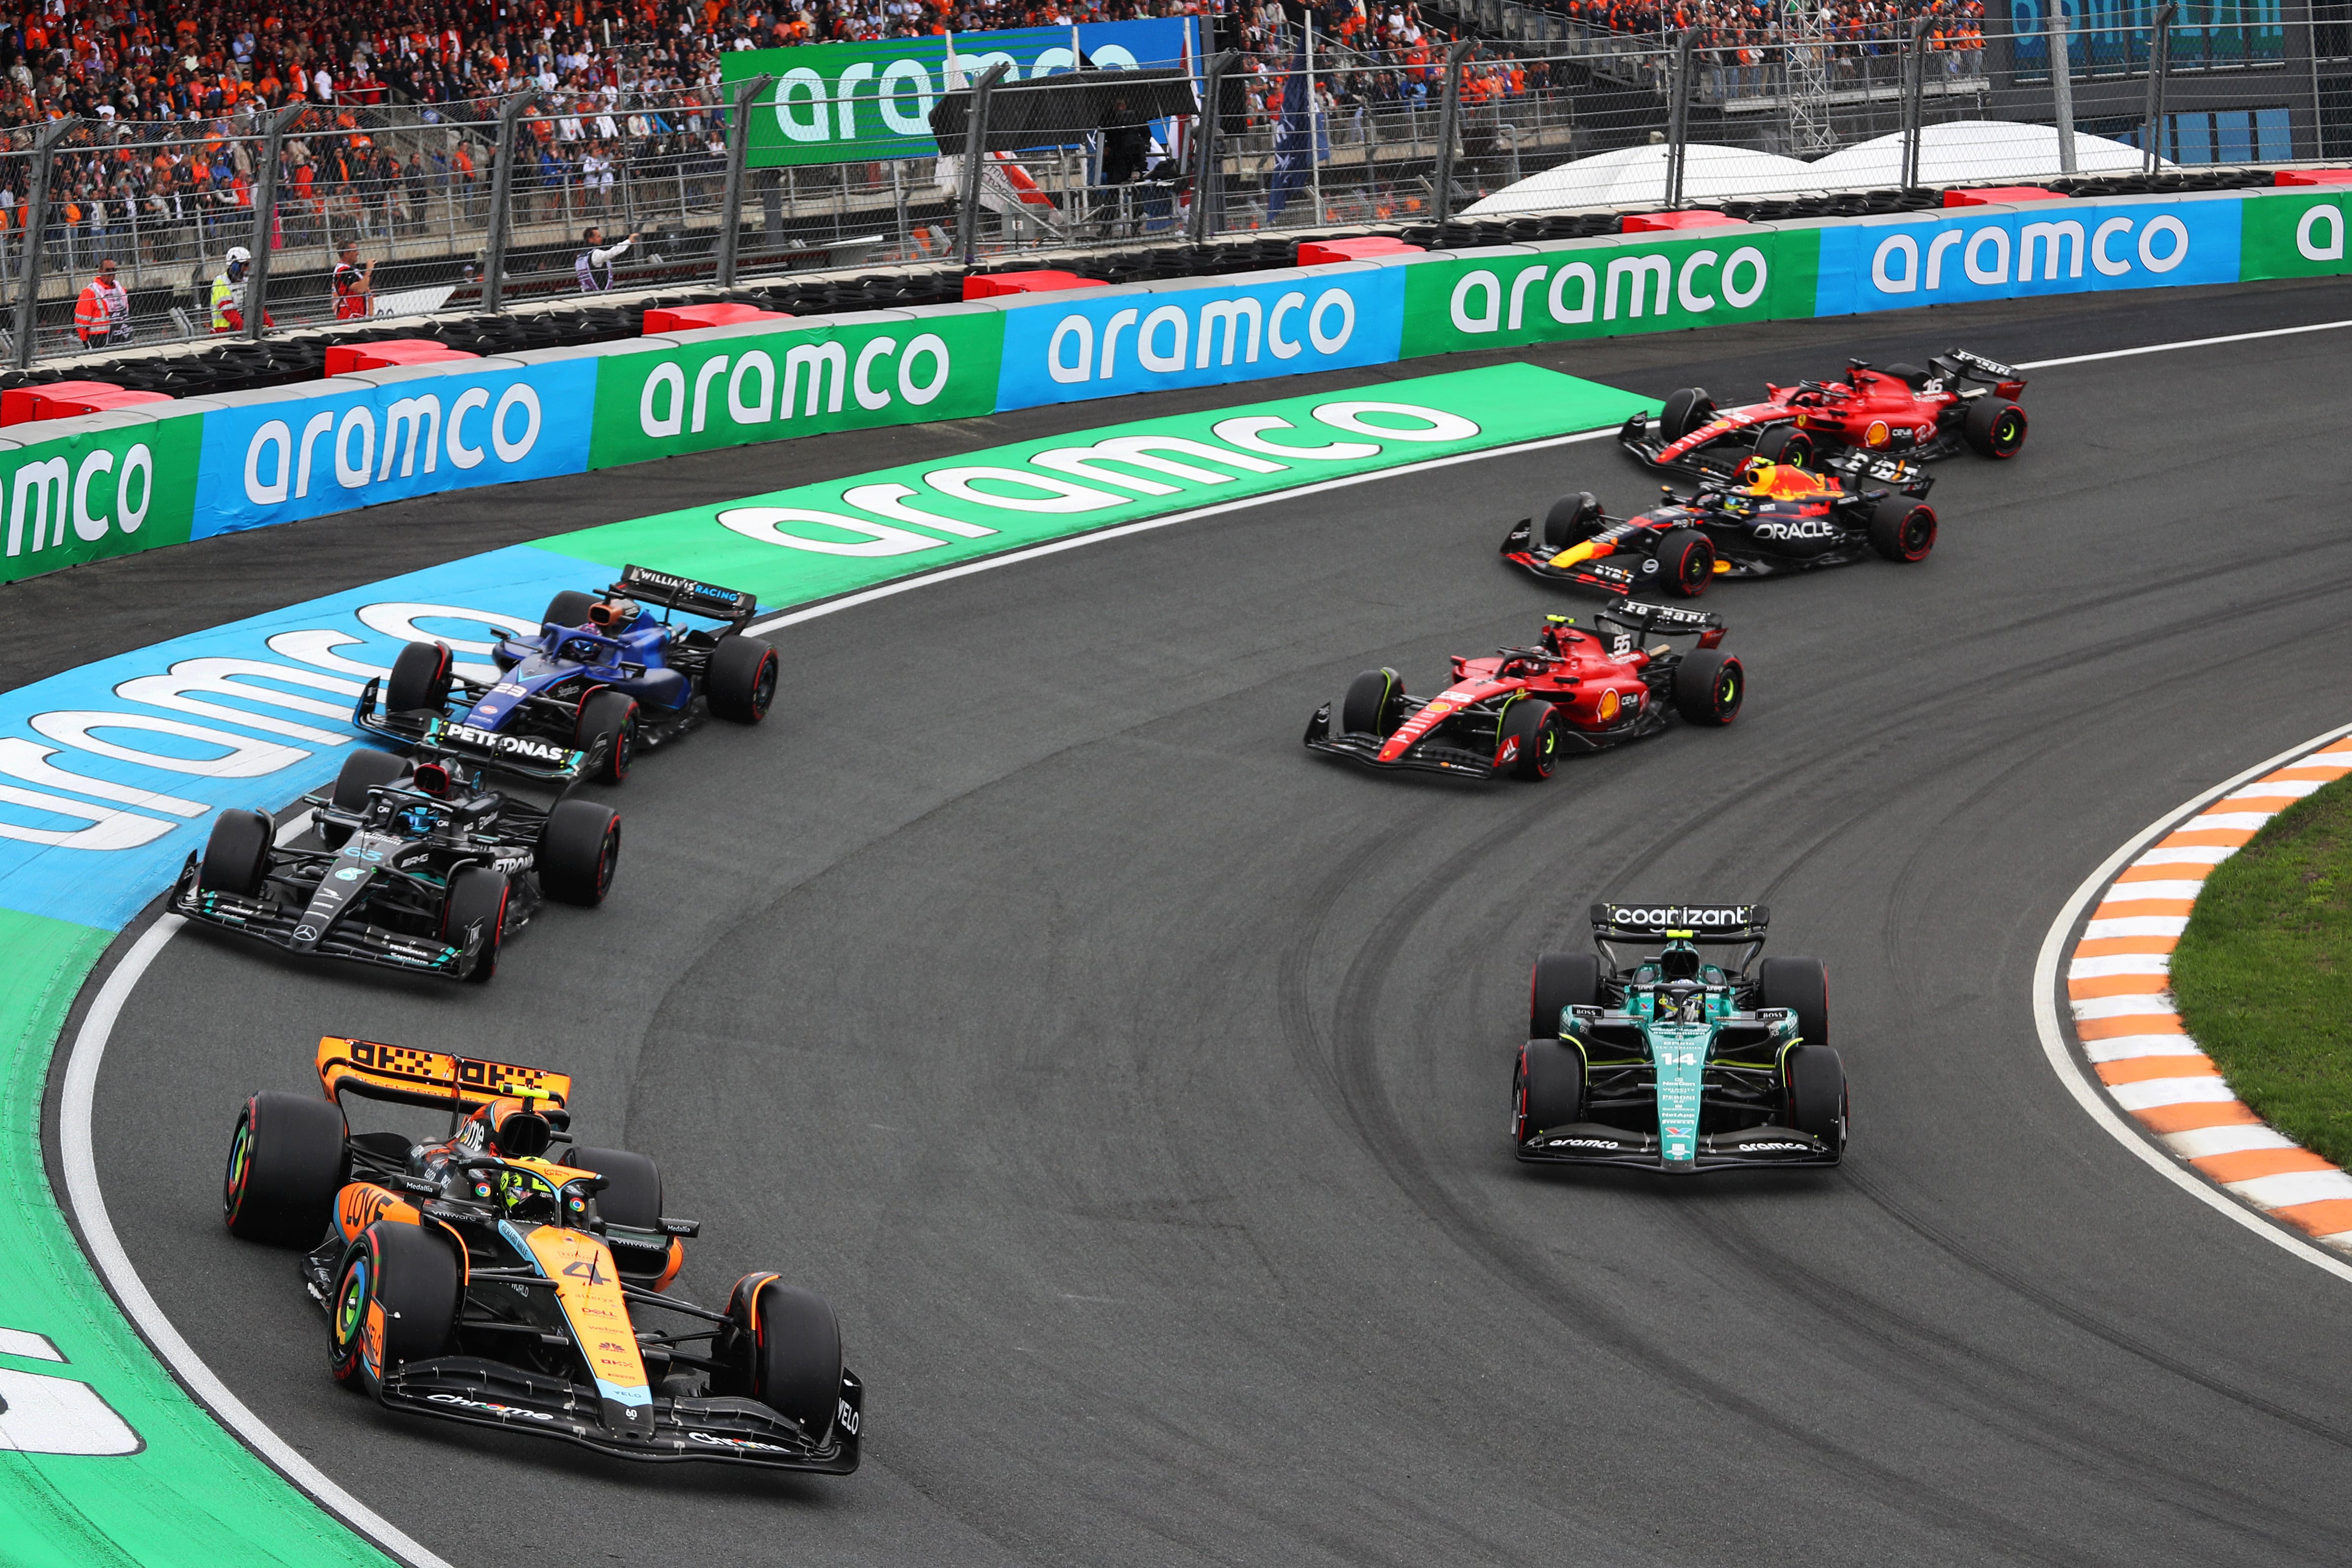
1133,1083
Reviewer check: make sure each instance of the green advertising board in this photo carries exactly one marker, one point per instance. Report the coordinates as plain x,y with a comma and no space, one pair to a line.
798,378
2292,233
1596,288
94,493
839,103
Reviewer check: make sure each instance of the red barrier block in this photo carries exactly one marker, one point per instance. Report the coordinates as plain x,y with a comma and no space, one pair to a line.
1690,218
2313,177
344,358
989,285
1319,252
64,399
687,318
1991,195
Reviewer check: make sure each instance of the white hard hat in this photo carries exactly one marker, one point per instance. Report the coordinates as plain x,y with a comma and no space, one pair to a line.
239,253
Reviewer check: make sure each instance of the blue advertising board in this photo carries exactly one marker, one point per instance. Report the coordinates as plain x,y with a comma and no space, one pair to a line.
1068,347
275,462
2057,247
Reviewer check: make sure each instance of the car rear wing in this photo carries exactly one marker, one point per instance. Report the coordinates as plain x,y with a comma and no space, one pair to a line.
404,1074
1961,365
1727,923
1642,618
708,600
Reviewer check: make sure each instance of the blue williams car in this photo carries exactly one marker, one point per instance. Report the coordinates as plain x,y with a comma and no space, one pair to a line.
604,678
1668,1053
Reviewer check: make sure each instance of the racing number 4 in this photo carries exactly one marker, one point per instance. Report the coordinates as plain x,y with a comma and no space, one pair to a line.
585,1269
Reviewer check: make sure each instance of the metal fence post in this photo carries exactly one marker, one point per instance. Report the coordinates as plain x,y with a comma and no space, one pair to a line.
975,158
1449,125
1208,177
1678,116
739,152
265,210
36,214
2062,86
502,161
2159,54
1915,85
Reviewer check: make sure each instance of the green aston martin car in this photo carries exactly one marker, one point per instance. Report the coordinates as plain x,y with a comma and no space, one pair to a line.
1673,1047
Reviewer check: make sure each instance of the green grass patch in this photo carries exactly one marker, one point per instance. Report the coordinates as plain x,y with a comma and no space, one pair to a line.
2263,974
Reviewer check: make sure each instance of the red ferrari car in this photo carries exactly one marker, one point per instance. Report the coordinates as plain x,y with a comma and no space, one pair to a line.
1518,708
1873,419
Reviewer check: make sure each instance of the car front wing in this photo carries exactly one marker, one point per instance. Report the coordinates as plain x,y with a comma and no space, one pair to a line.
720,1429
1521,549
1426,758
266,919
1595,1143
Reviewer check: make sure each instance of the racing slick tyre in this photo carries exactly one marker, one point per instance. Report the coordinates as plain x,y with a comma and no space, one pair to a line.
610,717
395,1300
1572,520
1561,980
1709,687
1530,744
286,1161
476,893
1786,444
632,1194
1684,412
1815,1079
419,678
236,855
1374,704
741,679
362,771
1993,428
577,851
1802,985
1548,1089
1902,529
786,1349
568,608
1683,564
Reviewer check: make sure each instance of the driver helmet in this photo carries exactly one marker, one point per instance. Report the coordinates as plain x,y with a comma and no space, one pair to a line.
527,1197
1680,960
614,615
417,819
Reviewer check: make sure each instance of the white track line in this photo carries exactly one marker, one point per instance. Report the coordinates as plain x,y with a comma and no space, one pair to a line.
90,1045
138,1303
2092,1096
2187,343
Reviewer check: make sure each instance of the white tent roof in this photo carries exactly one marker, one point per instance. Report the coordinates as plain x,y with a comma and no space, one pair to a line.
1636,176
1957,153
1970,152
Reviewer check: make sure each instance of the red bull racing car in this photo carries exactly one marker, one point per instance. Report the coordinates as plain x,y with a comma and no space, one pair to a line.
1770,520
504,1274
1851,427
1518,709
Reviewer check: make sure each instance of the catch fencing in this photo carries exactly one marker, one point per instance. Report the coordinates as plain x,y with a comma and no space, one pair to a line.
461,209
